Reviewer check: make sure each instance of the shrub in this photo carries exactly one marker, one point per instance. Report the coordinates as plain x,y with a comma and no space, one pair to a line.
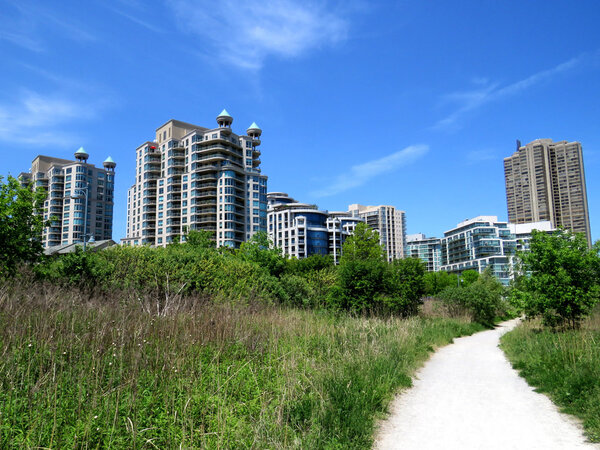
559,278
483,299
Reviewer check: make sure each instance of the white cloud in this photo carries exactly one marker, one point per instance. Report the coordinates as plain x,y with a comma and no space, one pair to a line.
361,173
35,119
245,32
487,92
28,24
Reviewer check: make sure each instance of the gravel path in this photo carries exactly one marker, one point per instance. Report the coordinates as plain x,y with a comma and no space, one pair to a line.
467,396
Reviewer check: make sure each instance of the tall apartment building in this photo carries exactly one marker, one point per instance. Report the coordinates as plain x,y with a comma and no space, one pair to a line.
428,250
545,181
479,243
80,197
301,230
195,178
389,222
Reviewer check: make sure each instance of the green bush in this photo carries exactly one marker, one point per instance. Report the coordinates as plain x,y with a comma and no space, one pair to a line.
483,299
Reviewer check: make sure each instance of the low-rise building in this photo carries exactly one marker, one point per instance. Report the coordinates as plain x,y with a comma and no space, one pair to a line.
522,232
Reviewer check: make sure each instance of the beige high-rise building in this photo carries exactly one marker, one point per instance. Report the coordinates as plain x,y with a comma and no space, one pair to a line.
79,202
389,222
195,178
545,180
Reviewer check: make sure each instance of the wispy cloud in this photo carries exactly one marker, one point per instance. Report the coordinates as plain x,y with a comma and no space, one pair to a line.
28,24
480,156
487,92
133,11
35,119
361,173
245,32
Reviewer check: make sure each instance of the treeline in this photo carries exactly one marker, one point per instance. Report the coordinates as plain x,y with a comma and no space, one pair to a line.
363,283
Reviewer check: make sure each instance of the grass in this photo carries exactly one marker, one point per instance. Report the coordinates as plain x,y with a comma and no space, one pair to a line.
565,365
103,372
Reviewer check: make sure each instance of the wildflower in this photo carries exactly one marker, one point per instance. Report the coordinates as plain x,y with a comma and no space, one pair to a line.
29,345
95,417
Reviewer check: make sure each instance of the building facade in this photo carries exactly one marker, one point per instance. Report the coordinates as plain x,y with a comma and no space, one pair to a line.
479,243
195,178
545,181
428,250
389,222
340,225
301,230
298,229
80,198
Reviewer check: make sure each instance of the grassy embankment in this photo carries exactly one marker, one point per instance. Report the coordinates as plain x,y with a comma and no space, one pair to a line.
565,365
106,372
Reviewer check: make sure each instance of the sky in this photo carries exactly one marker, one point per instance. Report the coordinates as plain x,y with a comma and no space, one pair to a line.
406,103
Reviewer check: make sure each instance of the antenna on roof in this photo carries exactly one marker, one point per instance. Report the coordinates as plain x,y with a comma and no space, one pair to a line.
518,144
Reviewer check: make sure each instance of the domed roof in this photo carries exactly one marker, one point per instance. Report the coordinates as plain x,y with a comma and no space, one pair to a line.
81,151
109,160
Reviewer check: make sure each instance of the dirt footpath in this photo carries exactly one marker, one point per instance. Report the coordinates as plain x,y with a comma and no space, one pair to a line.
467,396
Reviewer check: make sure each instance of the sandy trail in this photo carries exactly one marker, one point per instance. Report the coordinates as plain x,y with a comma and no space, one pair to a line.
467,396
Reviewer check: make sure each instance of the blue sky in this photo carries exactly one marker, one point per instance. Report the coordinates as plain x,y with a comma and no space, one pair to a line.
407,103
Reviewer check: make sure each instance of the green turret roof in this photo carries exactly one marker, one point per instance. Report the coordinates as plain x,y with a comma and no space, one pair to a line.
109,160
254,127
224,113
81,151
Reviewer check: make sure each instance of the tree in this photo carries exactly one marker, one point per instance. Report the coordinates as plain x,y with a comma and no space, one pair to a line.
405,286
468,277
259,249
436,282
559,279
362,245
21,225
200,239
361,274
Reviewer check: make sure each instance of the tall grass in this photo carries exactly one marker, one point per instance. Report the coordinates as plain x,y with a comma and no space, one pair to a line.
566,365
116,371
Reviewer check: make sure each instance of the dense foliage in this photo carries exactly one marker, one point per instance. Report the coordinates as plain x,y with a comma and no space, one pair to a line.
20,225
363,283
482,296
559,279
366,282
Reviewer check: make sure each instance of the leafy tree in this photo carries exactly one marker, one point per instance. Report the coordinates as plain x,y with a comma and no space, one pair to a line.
259,249
468,277
200,239
361,274
362,245
559,279
310,264
21,225
405,286
436,282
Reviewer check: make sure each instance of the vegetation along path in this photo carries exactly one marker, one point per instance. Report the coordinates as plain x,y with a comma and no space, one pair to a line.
468,396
